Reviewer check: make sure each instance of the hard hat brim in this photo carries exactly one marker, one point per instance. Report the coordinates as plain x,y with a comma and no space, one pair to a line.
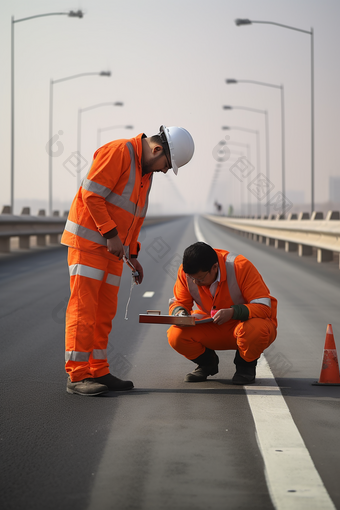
164,130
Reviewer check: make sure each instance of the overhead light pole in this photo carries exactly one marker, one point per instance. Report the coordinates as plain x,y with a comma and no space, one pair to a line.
283,150
100,130
310,32
258,157
265,113
50,154
80,111
71,14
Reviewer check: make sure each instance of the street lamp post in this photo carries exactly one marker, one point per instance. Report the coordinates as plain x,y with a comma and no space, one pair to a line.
265,113
71,14
50,169
311,33
80,111
239,144
283,150
100,130
257,133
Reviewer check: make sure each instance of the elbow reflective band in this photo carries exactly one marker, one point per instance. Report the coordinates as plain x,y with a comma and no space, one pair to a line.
241,312
262,301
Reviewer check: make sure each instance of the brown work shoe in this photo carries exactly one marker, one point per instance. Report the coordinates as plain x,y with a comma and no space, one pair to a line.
86,387
113,383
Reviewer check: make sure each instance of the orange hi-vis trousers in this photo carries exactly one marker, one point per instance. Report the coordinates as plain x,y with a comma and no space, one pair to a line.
94,282
250,337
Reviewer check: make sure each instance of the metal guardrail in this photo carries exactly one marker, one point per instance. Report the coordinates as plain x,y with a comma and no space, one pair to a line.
25,226
304,236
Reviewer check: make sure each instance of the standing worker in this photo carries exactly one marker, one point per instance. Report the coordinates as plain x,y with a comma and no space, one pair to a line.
230,289
103,225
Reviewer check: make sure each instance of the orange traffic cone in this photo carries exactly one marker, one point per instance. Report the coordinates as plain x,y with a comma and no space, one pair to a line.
330,366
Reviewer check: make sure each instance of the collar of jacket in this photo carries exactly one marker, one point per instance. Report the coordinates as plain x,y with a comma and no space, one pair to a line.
138,149
136,141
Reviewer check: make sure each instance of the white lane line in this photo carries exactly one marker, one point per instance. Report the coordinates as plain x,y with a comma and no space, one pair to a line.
149,293
198,232
291,475
292,479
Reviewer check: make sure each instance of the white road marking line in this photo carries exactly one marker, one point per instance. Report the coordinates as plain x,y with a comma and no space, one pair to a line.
198,232
149,293
292,479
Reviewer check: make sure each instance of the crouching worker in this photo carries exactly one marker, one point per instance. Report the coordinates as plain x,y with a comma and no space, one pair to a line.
245,319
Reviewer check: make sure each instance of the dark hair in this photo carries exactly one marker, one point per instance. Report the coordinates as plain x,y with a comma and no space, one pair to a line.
156,139
199,257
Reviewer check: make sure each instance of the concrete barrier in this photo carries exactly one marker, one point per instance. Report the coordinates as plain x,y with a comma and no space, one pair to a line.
301,234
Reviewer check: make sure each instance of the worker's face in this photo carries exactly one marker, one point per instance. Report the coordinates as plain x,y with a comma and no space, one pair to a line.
157,162
205,277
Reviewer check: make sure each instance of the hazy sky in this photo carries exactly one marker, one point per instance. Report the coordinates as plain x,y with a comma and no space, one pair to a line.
169,62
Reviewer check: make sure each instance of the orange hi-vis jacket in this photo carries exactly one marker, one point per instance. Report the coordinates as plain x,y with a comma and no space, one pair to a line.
240,284
113,195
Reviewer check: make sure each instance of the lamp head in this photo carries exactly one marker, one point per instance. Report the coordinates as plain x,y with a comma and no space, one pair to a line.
239,22
76,14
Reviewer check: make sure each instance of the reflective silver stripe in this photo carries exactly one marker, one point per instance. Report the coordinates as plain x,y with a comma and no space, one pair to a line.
113,279
85,233
234,289
262,301
145,208
172,301
87,271
123,200
77,356
94,187
99,354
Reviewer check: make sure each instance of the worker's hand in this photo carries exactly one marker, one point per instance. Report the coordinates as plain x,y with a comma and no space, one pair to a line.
139,268
223,315
115,246
182,313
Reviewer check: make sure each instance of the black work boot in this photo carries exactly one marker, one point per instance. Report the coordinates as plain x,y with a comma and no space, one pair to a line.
113,383
245,370
86,387
207,365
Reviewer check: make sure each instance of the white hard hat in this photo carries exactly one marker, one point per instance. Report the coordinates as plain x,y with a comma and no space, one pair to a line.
180,143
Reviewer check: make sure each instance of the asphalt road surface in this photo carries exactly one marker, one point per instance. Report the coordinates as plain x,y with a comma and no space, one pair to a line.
166,444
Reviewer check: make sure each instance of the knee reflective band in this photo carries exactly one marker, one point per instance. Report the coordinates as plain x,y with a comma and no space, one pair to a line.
87,271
